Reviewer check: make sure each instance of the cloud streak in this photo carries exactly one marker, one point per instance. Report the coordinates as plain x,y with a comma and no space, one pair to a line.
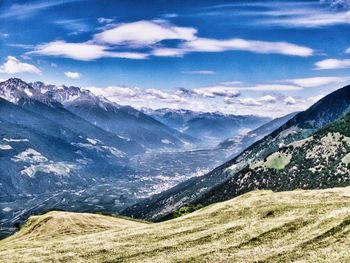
21,11
82,51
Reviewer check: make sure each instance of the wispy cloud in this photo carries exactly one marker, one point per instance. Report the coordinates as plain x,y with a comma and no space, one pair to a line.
305,14
316,81
81,51
24,46
265,47
14,65
200,72
21,11
74,26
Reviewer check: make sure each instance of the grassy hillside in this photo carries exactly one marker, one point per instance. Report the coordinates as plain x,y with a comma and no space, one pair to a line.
303,226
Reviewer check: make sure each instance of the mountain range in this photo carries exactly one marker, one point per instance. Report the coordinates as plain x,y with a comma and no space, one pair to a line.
64,147
210,127
236,176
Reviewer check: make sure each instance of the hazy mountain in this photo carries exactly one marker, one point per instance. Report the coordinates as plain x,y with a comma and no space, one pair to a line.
124,121
240,142
301,126
211,128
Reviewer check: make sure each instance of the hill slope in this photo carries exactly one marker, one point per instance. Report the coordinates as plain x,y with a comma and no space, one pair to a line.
319,161
262,226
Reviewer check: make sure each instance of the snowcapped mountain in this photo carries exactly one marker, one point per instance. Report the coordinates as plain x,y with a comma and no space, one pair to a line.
124,121
197,190
52,157
211,128
15,89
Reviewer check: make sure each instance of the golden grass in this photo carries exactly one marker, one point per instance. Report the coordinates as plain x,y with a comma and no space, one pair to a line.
260,226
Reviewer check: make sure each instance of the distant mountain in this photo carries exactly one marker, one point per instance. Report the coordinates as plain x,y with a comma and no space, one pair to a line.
301,126
241,142
209,127
124,121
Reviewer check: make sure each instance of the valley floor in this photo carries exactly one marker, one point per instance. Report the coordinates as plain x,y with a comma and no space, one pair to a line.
298,226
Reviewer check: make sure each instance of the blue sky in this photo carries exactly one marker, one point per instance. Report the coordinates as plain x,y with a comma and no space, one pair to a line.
243,57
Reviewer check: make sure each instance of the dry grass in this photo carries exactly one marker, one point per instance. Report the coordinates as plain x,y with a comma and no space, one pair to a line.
297,226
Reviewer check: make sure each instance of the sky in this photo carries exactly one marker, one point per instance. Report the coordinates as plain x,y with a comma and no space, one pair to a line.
265,58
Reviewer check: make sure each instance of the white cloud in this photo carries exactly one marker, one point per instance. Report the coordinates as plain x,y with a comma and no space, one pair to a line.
117,93
200,72
249,102
254,102
82,51
332,64
268,99
168,52
13,66
159,94
316,81
72,75
265,47
217,91
290,101
144,33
